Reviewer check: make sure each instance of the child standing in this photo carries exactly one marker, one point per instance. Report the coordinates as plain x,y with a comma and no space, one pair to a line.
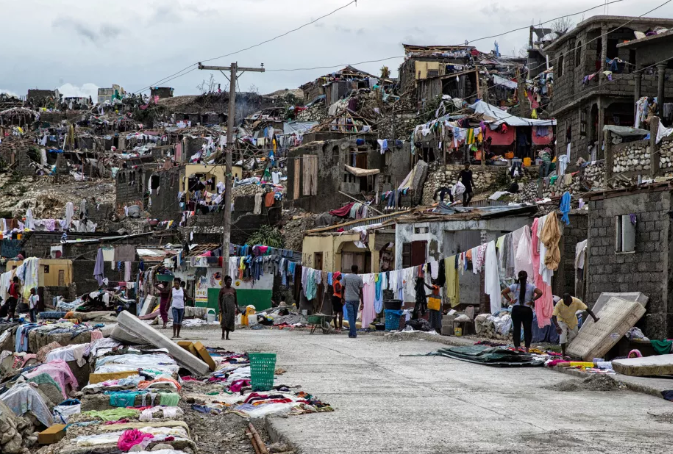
32,305
435,307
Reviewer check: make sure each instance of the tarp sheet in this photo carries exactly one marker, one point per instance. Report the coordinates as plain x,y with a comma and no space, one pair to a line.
499,116
626,131
489,356
298,127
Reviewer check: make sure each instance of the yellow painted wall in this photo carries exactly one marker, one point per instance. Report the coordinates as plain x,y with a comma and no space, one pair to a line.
331,247
422,68
217,171
48,279
313,244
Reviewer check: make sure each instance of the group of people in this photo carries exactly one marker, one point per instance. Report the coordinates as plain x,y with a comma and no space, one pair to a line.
467,183
9,307
173,298
522,296
347,296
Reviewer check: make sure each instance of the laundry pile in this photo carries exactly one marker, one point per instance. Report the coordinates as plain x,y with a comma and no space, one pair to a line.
237,395
112,395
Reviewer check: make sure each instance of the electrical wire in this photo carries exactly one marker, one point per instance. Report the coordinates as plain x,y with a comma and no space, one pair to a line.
169,78
283,34
545,22
334,66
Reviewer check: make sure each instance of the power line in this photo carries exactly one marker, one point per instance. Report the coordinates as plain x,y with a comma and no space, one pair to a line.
600,36
545,22
248,48
334,66
283,34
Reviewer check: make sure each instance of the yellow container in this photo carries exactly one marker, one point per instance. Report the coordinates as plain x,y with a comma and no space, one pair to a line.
458,331
248,312
527,162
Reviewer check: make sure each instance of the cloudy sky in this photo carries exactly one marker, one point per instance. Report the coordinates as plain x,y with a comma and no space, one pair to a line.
79,45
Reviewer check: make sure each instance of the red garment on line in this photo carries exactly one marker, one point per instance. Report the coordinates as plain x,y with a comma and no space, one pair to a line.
343,211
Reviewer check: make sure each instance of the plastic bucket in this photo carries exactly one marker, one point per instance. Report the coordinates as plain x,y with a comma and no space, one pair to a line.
458,331
211,316
392,319
262,370
393,305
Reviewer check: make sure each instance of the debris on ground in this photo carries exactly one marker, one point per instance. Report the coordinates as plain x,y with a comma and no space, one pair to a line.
591,383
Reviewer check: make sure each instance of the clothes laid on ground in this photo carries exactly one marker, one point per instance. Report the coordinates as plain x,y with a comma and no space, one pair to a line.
23,398
59,371
662,347
114,414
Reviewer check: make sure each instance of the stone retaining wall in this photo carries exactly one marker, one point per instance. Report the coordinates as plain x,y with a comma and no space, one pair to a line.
631,157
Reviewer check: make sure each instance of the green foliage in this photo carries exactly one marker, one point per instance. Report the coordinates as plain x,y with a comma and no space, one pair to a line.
266,236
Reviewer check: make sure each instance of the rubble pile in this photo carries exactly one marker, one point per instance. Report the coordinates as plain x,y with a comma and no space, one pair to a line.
17,433
293,229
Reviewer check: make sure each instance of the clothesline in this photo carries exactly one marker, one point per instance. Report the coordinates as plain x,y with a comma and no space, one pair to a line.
532,249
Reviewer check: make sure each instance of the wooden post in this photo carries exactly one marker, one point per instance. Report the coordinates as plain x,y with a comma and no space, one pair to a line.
609,158
654,152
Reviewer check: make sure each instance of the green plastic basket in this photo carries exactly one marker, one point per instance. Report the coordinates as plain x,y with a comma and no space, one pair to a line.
262,370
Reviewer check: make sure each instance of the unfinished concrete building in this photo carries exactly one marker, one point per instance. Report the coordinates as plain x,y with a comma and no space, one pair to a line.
595,79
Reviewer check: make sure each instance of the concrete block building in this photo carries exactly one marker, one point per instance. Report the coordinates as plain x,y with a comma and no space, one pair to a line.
629,250
597,81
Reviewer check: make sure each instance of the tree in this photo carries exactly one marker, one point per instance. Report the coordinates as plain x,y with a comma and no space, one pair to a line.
385,72
561,26
207,86
266,236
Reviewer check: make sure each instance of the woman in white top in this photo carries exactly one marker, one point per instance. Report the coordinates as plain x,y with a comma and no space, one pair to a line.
525,295
177,303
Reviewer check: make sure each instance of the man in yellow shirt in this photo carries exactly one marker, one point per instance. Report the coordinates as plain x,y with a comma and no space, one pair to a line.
565,318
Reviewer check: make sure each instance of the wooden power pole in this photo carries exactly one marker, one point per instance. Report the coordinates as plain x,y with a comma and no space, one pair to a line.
228,178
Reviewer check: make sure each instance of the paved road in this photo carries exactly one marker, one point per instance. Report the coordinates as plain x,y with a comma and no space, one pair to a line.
386,403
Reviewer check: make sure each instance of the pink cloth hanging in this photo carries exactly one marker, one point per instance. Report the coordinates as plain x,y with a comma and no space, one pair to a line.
368,295
544,307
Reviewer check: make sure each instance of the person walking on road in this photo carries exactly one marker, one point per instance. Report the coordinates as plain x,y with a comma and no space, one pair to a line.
525,295
352,297
337,302
228,304
164,296
177,303
564,318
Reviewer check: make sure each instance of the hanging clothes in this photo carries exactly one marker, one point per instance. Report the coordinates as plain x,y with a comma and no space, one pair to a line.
69,213
491,278
550,237
544,306
99,268
368,300
452,282
523,261
378,296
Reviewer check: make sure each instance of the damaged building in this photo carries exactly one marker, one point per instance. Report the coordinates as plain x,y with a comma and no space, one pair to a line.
597,81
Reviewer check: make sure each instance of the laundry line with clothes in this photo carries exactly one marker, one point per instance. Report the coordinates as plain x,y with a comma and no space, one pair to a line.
533,249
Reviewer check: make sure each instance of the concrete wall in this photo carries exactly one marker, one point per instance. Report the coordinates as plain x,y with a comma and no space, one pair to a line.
333,155
331,247
647,269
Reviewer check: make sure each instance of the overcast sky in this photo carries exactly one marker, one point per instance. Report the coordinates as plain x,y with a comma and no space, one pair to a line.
79,45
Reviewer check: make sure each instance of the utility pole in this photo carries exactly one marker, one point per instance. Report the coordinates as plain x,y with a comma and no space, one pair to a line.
228,177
